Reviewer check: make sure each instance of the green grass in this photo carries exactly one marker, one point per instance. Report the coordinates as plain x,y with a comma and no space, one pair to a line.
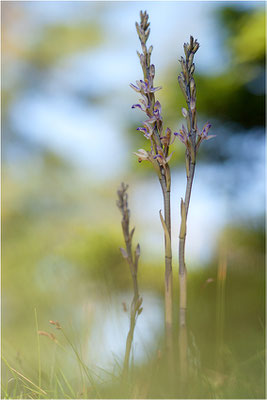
57,369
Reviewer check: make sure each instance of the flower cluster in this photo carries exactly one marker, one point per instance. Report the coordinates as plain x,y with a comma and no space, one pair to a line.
152,127
184,137
191,137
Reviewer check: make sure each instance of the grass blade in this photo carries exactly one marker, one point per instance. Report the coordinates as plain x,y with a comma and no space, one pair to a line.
22,376
38,349
67,383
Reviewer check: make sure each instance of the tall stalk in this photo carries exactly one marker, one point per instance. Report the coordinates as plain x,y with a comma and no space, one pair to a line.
220,309
158,155
192,139
132,260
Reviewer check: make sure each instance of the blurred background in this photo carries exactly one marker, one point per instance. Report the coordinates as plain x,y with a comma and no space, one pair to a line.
68,137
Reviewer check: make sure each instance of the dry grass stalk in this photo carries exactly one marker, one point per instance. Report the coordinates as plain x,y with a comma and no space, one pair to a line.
132,260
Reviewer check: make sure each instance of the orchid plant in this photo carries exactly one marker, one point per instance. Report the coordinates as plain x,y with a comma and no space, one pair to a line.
191,137
158,154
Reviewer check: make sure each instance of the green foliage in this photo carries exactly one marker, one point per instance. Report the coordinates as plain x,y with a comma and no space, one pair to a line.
237,94
60,41
96,253
245,244
241,374
246,34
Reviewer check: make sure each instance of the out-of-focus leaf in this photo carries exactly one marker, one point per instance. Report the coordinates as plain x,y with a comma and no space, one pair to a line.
59,41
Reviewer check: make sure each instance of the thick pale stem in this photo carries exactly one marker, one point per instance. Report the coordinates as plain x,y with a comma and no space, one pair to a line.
189,186
129,341
168,273
183,353
183,276
182,267
168,265
134,313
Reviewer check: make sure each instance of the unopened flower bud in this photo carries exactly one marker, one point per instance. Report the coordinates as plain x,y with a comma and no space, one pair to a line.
185,49
195,48
184,112
143,46
182,86
152,71
182,61
191,45
192,104
124,253
183,76
147,34
192,86
138,29
191,57
192,69
142,59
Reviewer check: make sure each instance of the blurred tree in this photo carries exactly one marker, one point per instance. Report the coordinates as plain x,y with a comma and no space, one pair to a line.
236,95
27,62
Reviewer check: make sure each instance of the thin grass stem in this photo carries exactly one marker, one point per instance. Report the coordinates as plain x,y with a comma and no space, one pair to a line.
61,388
23,377
84,367
38,350
67,383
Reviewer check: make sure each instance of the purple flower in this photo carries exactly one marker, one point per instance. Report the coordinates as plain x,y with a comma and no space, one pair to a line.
136,88
144,130
151,120
144,87
156,114
137,106
157,110
165,140
155,89
182,135
147,130
205,130
161,159
144,104
204,134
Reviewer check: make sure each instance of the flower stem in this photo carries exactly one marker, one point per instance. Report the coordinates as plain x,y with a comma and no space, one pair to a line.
158,156
189,138
183,279
168,269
